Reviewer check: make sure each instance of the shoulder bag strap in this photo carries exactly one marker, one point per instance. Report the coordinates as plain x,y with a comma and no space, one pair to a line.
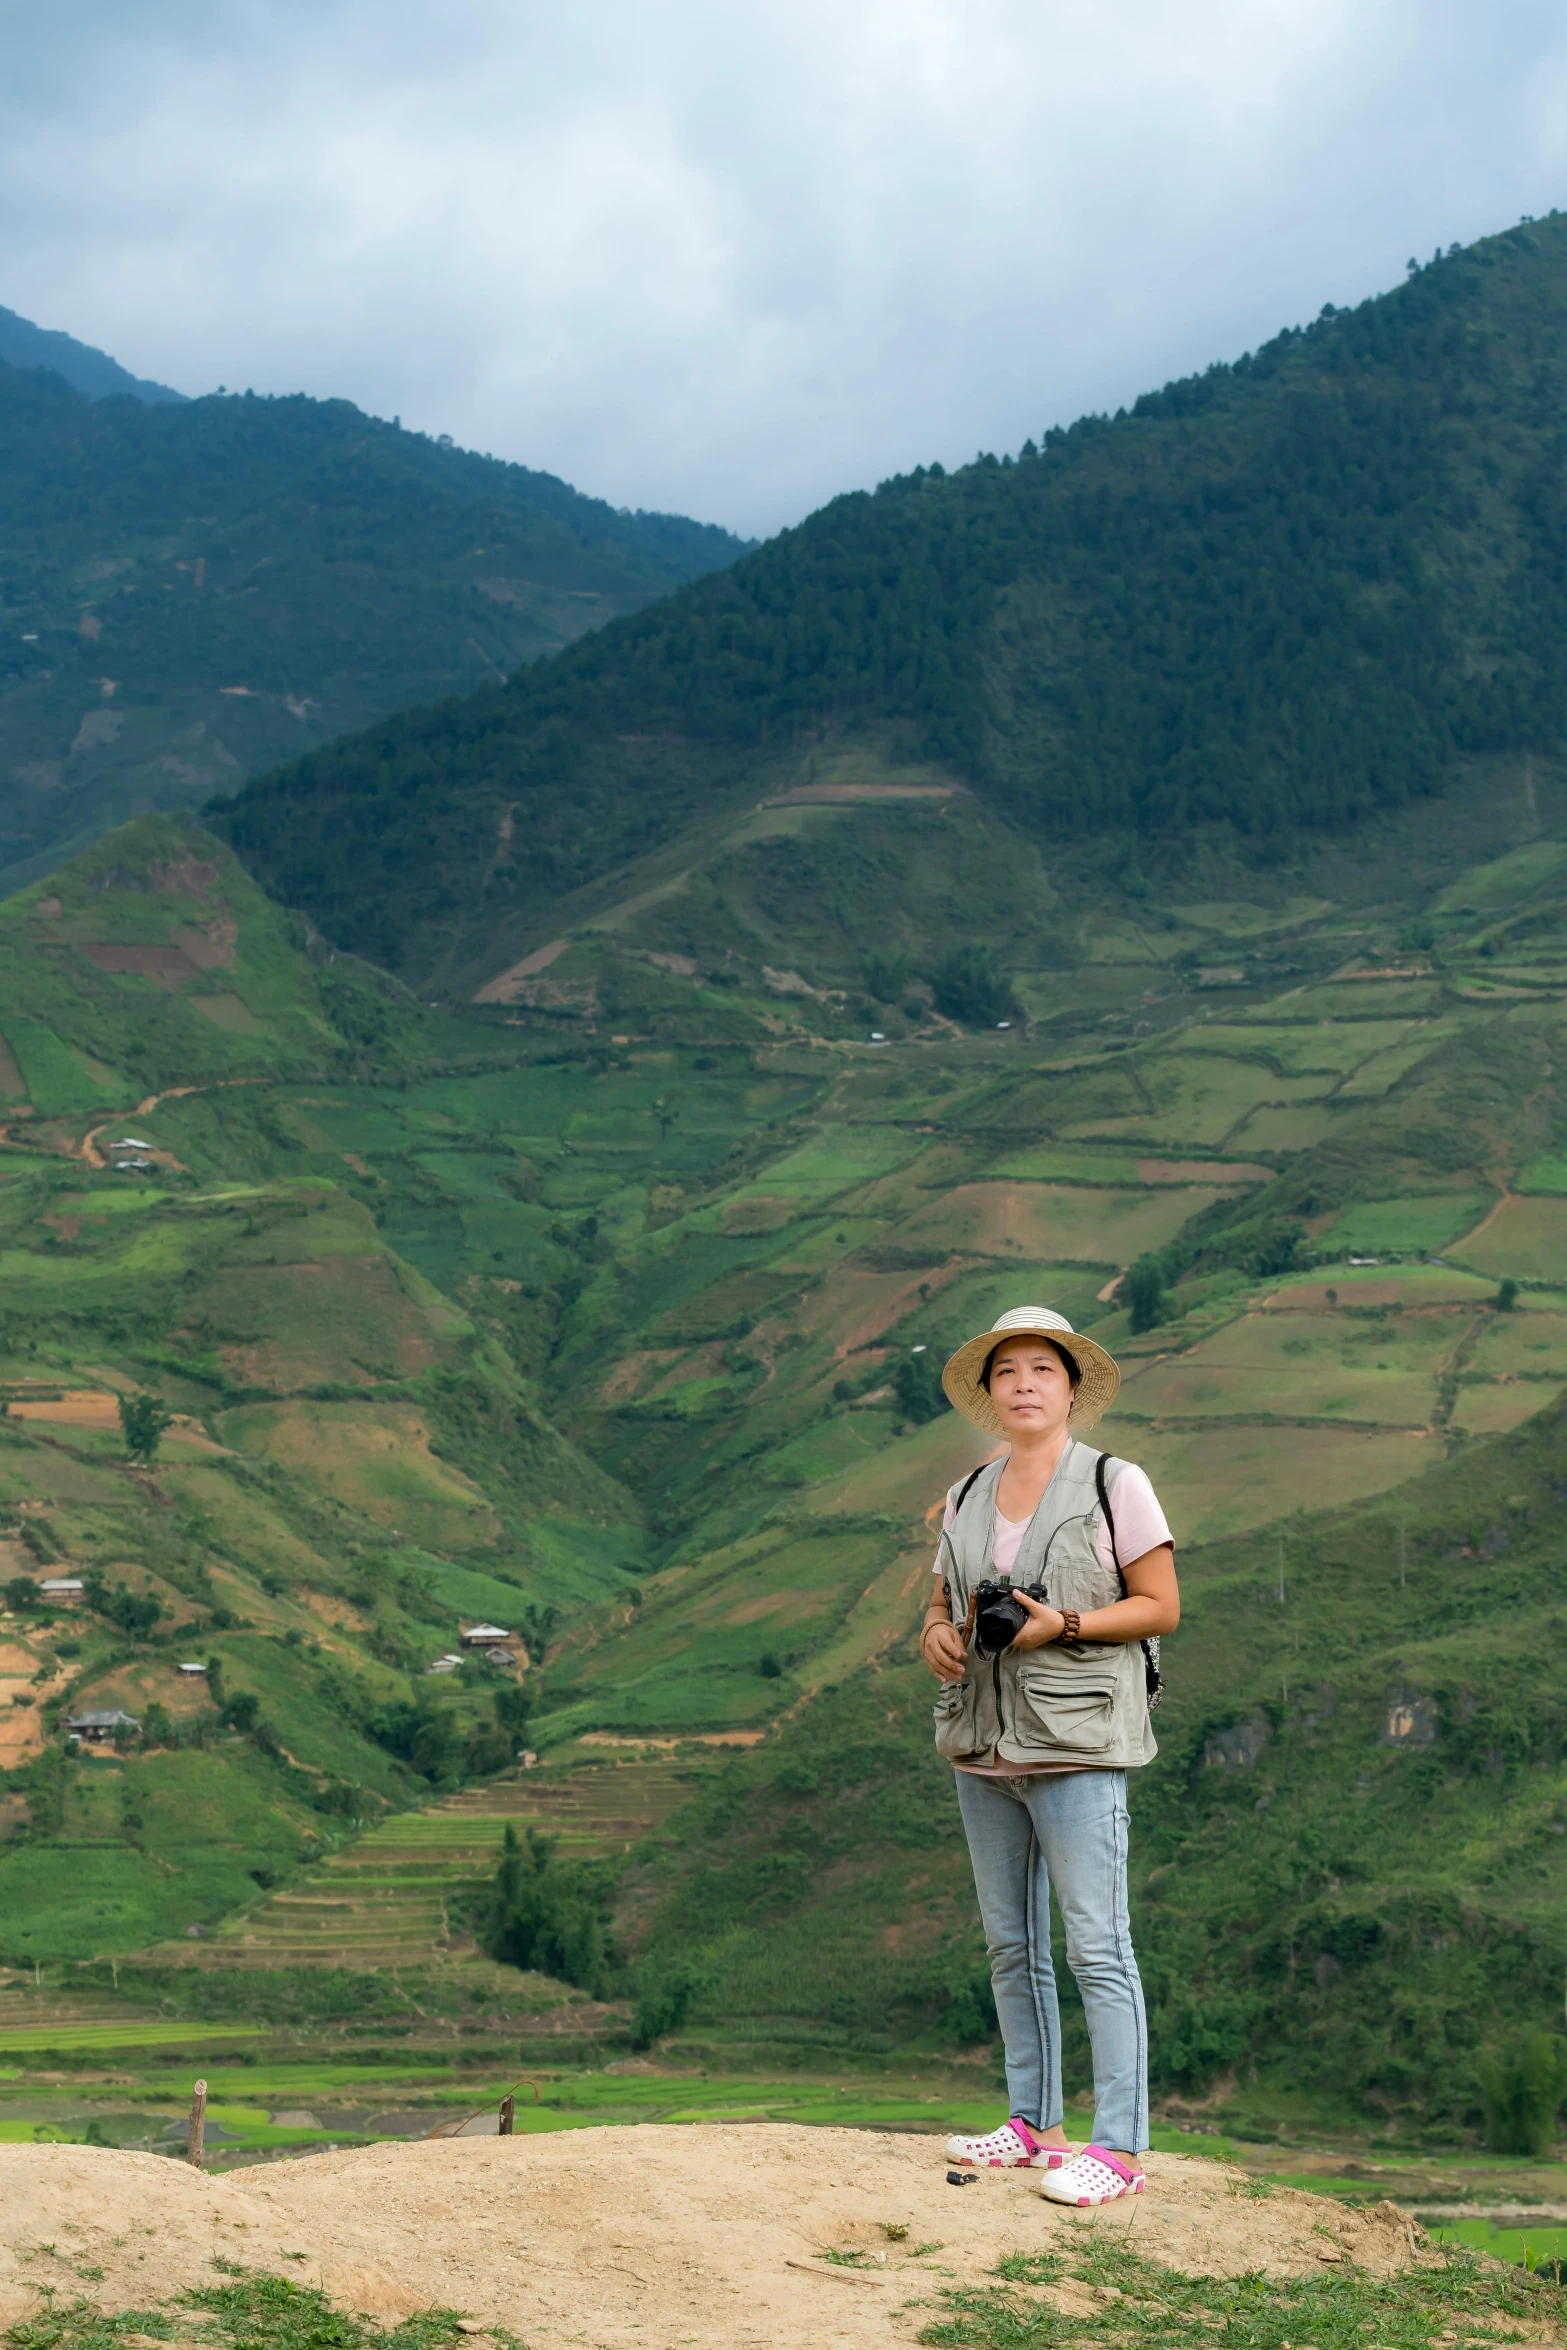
1150,1648
969,1483
1102,1488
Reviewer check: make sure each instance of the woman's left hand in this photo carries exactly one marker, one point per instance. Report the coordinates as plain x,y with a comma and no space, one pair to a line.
1044,1623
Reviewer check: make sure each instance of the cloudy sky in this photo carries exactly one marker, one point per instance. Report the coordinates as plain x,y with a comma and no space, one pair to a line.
729,256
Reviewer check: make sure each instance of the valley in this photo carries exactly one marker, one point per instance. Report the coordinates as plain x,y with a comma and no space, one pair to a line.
617,1335
483,1211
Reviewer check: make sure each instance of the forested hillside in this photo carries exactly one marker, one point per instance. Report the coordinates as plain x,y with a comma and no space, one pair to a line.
195,589
1271,599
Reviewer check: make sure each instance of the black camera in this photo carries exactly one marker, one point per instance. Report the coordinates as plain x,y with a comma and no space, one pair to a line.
999,1616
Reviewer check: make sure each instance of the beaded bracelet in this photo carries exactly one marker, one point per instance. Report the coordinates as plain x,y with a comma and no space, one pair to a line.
1071,1625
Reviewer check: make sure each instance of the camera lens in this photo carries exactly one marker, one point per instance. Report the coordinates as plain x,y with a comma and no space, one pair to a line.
998,1618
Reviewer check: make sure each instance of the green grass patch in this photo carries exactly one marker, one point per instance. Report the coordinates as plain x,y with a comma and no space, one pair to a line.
250,2310
1416,1224
1540,2248
155,2032
1548,1174
1505,881
1308,1048
1053,1223
1162,2308
1526,1238
1305,1366
1063,1163
57,1083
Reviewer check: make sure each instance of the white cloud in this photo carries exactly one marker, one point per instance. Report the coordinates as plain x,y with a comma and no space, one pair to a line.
727,256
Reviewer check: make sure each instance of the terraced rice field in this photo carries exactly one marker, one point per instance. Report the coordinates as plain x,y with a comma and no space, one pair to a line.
388,1899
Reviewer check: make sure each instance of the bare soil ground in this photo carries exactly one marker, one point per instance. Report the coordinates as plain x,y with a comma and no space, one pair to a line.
660,2235
506,986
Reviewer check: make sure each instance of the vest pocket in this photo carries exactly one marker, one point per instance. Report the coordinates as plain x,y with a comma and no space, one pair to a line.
957,1724
1064,1709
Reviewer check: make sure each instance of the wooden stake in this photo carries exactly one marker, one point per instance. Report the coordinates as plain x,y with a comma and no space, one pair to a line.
508,2114
198,2126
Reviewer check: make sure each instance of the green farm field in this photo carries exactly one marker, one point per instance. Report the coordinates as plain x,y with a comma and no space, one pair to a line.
482,1219
621,1339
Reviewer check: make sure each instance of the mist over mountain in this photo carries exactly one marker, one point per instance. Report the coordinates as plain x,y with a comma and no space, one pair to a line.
1263,601
85,369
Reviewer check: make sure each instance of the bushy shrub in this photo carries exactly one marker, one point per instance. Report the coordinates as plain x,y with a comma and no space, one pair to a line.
134,1612
666,1990
1143,1292
143,1419
886,976
968,986
1522,2083
916,1382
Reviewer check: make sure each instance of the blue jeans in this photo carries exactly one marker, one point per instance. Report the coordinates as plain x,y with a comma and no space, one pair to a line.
1068,1830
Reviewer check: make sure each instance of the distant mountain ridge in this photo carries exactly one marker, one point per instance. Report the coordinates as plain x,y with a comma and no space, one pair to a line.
195,589
1272,598
85,369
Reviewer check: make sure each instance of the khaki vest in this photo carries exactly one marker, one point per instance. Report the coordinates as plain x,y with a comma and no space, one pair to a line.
1084,1706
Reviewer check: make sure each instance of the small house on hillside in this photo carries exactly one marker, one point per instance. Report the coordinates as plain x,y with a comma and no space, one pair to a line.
100,1729
68,1588
191,1672
483,1635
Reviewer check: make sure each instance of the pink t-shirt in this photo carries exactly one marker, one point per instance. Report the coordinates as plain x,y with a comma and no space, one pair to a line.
1140,1526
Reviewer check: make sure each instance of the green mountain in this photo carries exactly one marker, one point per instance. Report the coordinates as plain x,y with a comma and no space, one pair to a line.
609,1312
774,1050
194,590
87,370
1265,602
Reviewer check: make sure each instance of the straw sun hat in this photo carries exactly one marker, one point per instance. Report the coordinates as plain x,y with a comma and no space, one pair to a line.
1096,1387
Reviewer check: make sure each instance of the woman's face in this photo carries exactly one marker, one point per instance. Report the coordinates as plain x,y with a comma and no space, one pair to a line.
1029,1387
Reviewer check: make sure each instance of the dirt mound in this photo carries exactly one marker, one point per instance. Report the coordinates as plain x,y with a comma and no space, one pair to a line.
682,2234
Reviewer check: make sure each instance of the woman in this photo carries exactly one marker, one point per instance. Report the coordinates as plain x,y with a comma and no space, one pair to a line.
1044,1708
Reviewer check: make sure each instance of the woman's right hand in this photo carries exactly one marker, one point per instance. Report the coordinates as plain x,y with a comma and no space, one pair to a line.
943,1650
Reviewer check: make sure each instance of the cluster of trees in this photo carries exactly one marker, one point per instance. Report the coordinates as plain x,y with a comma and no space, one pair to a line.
551,1916
1283,595
444,1748
546,1916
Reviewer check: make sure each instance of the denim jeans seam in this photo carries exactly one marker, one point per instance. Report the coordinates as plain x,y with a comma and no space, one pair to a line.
1122,1914
1035,2119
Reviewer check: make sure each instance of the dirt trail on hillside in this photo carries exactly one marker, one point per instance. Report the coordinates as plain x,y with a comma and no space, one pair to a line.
87,1149
705,2235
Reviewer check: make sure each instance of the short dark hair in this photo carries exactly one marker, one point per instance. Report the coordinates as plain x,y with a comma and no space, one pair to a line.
1074,1369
